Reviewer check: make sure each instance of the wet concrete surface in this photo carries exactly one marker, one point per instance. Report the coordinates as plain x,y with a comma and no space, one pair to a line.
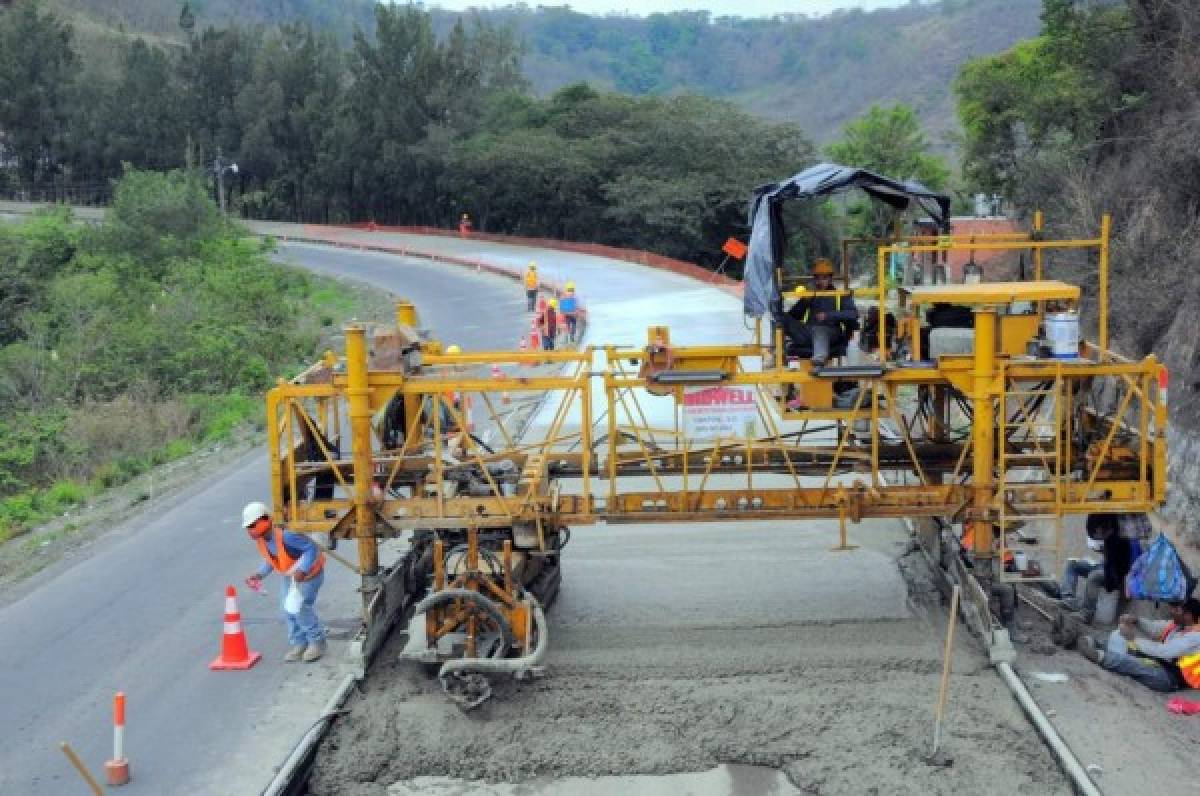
677,648
723,780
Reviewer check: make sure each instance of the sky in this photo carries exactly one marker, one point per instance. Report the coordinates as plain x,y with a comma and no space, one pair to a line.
741,8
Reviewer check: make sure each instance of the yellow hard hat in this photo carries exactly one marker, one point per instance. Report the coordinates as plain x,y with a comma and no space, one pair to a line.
554,304
453,349
823,267
570,285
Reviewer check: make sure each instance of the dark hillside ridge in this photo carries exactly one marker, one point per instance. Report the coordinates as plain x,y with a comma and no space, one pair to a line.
820,72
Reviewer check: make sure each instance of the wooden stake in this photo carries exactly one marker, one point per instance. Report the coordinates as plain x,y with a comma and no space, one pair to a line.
82,769
940,710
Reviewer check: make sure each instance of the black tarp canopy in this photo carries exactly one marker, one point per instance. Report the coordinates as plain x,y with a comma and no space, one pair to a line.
825,179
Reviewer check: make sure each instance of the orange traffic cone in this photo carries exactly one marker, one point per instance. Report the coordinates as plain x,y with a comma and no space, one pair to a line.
235,650
535,337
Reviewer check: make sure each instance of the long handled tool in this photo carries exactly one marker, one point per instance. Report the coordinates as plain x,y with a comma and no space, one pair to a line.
341,559
82,769
945,687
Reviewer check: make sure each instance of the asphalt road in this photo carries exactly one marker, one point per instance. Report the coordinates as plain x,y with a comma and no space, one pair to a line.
140,611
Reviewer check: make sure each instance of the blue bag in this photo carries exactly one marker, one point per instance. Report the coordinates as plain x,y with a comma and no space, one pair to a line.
1158,574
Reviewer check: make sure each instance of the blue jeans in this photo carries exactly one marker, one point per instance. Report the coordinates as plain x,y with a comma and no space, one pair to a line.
304,627
1076,568
1149,673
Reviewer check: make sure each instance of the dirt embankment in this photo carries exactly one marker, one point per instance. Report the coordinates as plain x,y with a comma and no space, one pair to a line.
841,707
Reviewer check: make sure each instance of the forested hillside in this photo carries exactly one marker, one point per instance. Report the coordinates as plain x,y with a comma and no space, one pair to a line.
400,127
819,72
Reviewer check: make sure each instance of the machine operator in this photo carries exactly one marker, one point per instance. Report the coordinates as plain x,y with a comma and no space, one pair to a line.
819,327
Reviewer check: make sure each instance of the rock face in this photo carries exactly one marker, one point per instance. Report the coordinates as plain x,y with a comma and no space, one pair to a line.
1183,492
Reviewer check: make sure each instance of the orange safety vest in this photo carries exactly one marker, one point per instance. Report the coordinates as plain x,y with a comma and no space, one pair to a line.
837,306
1189,665
531,280
285,561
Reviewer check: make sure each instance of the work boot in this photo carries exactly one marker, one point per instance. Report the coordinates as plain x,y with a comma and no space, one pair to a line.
1089,649
313,652
293,654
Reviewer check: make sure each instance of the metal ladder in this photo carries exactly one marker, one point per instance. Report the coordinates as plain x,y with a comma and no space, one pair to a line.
1038,418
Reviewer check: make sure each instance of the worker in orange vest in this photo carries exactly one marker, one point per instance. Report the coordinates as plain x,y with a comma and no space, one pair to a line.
300,561
1161,655
531,286
464,226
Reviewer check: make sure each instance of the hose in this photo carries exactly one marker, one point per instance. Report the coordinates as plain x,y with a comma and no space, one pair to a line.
503,665
1065,756
483,603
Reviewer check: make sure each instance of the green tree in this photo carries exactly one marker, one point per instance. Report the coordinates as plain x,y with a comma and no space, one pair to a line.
889,140
286,110
37,71
144,121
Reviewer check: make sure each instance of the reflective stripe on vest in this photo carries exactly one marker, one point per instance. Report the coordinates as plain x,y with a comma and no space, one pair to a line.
1188,665
285,561
1189,668
837,305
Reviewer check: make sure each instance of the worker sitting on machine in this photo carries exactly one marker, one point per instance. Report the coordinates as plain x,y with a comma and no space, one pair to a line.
819,327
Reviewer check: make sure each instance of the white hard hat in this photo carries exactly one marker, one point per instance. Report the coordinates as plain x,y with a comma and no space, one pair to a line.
253,512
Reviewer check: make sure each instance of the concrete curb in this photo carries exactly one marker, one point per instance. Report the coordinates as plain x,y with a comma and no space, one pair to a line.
634,256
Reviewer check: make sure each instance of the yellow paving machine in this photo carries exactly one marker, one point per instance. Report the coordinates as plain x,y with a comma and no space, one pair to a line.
471,468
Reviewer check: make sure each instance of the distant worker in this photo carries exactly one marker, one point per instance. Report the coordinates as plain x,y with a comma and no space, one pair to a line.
820,326
531,286
1161,655
548,324
464,226
568,307
297,558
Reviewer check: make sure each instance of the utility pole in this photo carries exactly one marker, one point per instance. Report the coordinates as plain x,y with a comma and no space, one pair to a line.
220,166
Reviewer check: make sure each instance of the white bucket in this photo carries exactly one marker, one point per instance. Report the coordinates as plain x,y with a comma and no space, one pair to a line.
1062,333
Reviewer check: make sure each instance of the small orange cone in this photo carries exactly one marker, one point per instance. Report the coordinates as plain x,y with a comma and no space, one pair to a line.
235,650
535,336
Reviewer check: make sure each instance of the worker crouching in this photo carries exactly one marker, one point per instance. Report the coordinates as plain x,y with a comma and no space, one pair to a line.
301,562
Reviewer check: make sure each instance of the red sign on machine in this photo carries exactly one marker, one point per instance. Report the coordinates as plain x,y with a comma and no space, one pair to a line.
725,411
